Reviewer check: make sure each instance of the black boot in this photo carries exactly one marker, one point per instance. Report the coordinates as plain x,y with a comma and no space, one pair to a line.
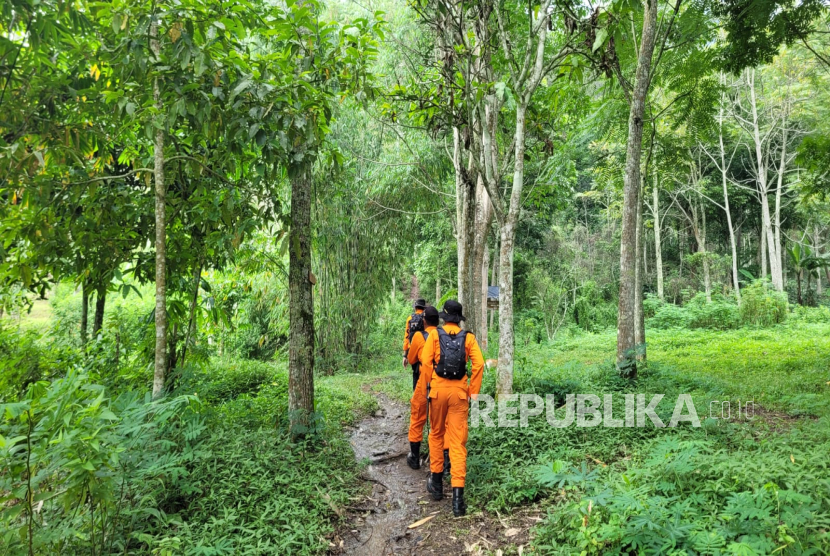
435,486
459,507
413,459
447,474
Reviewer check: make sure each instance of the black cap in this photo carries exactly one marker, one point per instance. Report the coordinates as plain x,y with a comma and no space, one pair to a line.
452,311
420,303
431,314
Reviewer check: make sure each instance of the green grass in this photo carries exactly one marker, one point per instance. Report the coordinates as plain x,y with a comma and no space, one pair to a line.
737,487
785,368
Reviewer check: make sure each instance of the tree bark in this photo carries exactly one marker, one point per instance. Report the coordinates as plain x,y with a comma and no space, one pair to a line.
460,216
763,189
763,250
734,244
100,303
658,248
504,380
484,272
778,191
640,325
392,293
301,306
493,274
84,312
161,231
626,319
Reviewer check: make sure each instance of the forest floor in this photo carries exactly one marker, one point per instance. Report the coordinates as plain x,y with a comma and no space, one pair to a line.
783,369
398,516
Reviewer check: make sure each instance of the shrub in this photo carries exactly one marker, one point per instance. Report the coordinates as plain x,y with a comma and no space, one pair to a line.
721,313
225,379
670,315
811,315
762,306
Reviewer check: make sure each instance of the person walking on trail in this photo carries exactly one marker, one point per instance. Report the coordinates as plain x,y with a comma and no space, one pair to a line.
444,360
418,404
414,323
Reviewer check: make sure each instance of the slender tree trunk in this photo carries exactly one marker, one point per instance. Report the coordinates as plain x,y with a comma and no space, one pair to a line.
161,231
437,288
84,312
392,293
658,248
301,306
798,276
100,303
763,188
763,250
772,256
494,273
485,271
640,325
779,188
469,300
460,215
479,261
734,244
626,320
504,380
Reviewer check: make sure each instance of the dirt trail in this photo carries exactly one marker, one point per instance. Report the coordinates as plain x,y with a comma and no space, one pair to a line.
379,523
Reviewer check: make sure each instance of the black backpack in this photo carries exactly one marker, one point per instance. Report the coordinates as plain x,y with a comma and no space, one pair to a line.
453,362
416,324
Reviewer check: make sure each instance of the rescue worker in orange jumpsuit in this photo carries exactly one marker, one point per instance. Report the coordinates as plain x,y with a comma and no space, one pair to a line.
408,333
444,360
419,402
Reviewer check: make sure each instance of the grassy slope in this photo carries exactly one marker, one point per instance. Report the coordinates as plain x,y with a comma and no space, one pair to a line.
785,368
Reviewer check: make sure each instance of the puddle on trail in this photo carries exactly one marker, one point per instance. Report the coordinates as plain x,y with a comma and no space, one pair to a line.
399,498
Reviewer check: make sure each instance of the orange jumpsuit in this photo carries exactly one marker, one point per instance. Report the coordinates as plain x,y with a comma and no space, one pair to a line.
406,331
418,403
449,404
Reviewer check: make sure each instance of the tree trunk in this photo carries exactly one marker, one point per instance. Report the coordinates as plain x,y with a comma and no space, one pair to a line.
479,262
161,231
100,303
485,271
763,250
658,248
470,297
798,286
782,168
84,312
763,189
626,320
734,244
774,269
392,293
437,288
460,216
504,380
301,306
640,324
493,277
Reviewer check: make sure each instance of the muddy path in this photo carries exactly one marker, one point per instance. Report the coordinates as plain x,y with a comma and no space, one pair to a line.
381,522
